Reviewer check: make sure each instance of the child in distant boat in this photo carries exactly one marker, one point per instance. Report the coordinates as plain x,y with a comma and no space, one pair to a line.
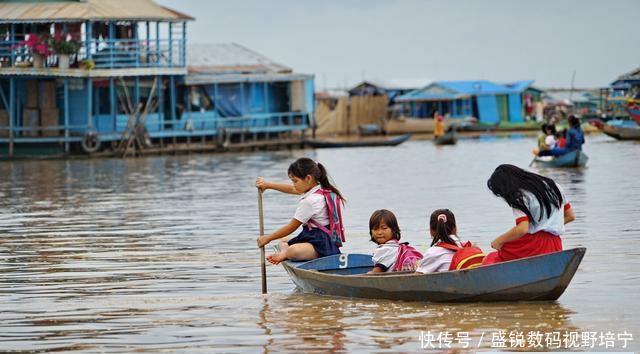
438,129
391,255
446,251
540,209
318,211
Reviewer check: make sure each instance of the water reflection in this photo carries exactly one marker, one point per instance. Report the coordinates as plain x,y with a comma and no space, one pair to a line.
337,324
158,254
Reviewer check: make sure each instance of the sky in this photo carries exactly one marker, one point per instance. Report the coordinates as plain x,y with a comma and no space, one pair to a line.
343,42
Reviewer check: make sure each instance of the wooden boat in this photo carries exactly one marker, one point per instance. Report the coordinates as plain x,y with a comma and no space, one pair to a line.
571,159
538,278
449,138
622,132
359,143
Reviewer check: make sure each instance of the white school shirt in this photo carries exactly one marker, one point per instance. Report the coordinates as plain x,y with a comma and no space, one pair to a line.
553,224
386,255
437,259
312,206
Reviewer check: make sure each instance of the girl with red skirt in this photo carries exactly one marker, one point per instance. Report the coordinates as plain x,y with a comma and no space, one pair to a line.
540,209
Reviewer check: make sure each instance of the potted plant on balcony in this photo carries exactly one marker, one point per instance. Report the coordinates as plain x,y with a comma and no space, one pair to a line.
64,48
39,46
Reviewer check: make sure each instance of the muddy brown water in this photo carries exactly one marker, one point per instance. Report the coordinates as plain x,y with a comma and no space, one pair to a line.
158,254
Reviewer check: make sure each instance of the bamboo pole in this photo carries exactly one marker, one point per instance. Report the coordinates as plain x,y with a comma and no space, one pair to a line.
263,268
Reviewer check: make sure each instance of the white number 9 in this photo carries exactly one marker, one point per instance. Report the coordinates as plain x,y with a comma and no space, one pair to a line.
344,261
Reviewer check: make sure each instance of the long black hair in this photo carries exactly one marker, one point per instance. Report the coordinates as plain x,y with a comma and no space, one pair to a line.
389,219
305,166
508,182
442,225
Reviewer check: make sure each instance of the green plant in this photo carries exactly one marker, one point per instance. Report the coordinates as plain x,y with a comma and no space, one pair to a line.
61,45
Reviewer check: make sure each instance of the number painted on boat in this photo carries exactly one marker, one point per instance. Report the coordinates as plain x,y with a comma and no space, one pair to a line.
344,261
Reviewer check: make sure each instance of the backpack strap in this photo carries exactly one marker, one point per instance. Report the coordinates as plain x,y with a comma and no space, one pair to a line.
334,210
449,246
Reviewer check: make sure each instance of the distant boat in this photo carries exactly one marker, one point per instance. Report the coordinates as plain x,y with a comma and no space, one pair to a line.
369,129
618,129
538,278
449,138
575,158
358,143
634,112
622,132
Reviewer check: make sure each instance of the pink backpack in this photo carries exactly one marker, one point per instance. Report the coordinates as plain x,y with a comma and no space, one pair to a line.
336,228
408,258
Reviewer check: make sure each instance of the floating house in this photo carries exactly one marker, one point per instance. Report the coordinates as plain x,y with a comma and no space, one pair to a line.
232,90
487,101
93,75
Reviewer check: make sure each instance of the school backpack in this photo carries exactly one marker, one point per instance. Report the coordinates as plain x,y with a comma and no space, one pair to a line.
336,228
465,257
408,258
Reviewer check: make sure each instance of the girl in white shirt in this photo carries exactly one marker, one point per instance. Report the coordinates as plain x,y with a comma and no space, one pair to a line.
321,235
391,255
442,227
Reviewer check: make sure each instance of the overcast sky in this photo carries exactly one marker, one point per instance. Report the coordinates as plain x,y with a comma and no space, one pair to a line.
345,41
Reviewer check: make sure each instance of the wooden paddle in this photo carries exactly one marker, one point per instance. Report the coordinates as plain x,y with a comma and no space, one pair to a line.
263,267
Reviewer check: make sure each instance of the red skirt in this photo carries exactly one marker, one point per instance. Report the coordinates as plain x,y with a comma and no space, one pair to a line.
526,246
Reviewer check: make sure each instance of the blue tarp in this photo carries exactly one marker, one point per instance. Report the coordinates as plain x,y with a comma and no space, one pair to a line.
236,99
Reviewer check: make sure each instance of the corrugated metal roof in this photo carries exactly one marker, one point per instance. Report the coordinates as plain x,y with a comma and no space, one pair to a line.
204,79
625,80
478,87
68,11
450,90
230,58
520,85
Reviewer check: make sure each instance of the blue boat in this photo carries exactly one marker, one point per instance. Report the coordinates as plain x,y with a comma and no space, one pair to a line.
538,278
571,159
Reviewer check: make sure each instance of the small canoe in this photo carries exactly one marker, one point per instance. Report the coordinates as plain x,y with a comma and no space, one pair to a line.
450,138
571,159
538,278
359,143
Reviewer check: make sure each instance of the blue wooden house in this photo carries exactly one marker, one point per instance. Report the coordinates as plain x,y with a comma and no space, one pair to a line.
487,101
131,68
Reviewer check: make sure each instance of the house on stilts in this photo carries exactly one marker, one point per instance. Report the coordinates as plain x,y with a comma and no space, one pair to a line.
115,77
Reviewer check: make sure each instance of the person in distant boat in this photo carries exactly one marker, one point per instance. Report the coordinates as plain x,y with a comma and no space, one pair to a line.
438,130
540,209
561,139
542,137
445,246
575,140
550,140
391,255
318,211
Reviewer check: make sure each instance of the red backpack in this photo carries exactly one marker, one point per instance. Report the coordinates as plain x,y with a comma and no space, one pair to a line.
408,258
465,257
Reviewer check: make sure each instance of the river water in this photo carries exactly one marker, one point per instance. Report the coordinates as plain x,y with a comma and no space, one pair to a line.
158,254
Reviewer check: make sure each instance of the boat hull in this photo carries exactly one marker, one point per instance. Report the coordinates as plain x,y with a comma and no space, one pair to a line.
622,133
359,143
449,138
572,159
539,278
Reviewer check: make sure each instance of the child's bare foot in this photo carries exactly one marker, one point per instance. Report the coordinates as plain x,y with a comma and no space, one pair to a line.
535,152
276,258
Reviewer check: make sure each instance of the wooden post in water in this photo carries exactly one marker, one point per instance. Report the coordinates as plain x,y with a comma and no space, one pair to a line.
263,268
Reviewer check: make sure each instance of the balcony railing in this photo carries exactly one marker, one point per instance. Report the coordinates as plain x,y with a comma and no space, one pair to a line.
106,54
